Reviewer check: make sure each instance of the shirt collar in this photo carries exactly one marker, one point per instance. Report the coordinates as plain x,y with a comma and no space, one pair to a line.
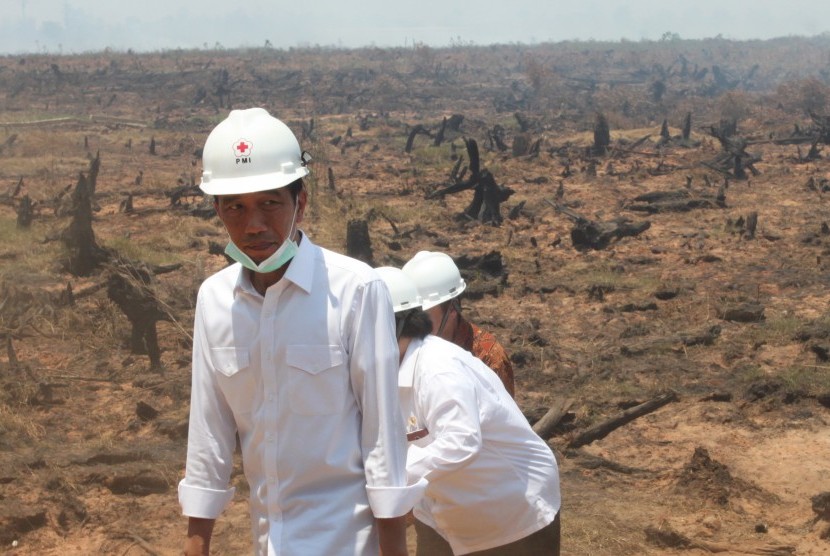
406,373
300,270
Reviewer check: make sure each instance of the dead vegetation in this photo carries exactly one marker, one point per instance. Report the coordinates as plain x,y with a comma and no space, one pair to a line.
642,225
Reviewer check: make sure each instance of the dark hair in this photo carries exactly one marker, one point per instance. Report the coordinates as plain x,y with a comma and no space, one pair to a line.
295,187
415,323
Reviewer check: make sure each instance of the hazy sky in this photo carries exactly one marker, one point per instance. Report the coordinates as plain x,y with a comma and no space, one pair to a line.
83,25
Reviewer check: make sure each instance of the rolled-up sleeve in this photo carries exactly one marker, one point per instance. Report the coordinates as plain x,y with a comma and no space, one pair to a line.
204,492
374,375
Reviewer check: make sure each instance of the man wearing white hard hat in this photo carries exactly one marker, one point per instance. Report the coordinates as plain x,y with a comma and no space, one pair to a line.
440,283
294,352
493,483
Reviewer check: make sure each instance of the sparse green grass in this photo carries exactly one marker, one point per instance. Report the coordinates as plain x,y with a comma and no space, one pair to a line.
29,260
581,276
810,379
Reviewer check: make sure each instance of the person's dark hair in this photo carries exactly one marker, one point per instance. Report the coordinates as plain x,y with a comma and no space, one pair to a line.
295,187
414,323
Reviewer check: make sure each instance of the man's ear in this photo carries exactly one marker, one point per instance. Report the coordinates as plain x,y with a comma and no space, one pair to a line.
302,199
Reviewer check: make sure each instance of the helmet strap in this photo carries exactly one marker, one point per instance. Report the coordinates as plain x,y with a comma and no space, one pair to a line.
452,304
400,322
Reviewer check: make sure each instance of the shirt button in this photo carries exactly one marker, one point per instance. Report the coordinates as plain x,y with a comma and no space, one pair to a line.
272,480
270,396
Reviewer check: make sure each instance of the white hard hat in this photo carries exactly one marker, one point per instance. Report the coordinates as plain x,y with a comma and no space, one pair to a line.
436,276
250,151
403,290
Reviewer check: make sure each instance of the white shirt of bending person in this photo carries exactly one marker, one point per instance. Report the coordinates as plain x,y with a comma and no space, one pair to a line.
492,480
307,376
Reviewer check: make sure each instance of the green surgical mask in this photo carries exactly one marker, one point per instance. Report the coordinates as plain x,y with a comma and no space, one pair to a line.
280,257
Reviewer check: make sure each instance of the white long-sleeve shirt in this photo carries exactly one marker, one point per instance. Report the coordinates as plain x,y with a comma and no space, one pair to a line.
307,376
492,480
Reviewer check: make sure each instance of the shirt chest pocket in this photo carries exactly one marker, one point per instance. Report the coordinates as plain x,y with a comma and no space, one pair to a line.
318,379
232,366
229,360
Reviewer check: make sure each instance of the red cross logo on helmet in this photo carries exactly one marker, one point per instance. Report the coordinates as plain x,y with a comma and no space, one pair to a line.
242,147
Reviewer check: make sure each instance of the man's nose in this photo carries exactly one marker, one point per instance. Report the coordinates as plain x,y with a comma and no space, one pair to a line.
255,223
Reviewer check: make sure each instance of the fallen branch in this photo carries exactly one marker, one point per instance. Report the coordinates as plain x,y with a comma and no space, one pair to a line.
590,461
604,429
544,426
667,537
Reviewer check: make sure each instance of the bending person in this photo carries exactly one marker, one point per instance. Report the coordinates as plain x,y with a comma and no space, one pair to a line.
493,483
440,283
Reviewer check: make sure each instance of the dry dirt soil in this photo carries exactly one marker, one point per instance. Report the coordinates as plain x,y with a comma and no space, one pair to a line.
715,303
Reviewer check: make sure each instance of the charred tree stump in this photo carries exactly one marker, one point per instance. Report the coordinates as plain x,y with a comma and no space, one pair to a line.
602,135
524,124
418,129
665,136
686,133
358,243
25,212
153,146
487,194
734,157
454,122
439,137
129,286
496,138
521,145
85,256
331,179
126,205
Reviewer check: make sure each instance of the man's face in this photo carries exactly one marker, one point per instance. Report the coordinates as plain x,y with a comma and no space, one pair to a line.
259,222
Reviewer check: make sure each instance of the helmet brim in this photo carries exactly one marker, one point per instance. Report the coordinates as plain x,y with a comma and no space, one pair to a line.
251,184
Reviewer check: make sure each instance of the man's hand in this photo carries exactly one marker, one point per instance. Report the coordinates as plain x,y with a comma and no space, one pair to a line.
199,532
392,534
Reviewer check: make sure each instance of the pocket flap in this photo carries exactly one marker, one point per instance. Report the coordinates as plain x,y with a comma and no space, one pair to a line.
229,360
314,358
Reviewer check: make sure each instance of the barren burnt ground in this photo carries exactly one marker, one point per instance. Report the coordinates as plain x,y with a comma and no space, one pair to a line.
643,225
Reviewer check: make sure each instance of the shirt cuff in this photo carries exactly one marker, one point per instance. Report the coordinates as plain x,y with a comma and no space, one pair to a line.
204,503
388,502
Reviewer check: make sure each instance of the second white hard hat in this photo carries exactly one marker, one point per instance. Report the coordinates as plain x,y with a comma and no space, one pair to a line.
403,290
250,151
436,276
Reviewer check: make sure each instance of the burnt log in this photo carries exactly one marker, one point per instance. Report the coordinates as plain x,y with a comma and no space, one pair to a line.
598,235
678,200
544,427
605,428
